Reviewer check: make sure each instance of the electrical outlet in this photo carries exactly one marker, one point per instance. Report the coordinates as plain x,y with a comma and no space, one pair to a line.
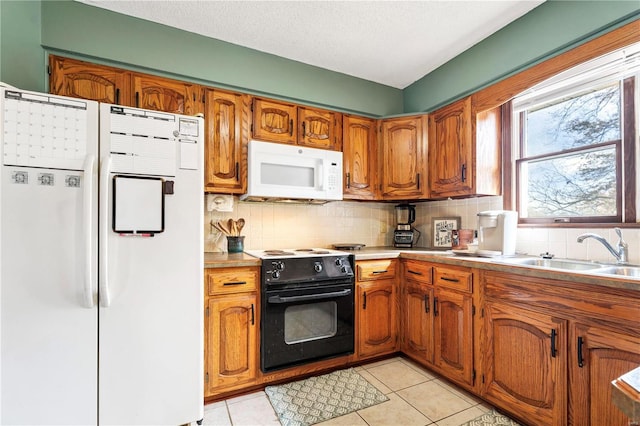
383,228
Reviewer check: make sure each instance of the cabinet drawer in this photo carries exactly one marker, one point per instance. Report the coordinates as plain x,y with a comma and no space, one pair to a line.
231,280
458,279
418,271
376,269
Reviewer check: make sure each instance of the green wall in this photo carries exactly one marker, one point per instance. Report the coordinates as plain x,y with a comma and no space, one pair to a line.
21,57
91,32
549,29
29,30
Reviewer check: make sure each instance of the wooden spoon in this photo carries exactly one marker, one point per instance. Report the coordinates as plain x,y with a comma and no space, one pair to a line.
230,227
240,224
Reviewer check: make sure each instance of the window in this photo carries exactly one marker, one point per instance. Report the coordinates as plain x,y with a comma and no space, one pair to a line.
574,143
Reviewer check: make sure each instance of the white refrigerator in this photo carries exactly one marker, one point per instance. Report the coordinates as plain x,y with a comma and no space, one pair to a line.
101,263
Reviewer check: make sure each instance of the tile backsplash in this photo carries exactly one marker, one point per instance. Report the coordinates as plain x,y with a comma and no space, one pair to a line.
272,225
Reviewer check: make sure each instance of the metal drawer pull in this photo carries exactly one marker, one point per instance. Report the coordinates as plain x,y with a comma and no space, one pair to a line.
253,315
235,283
414,272
364,300
426,303
580,356
451,280
435,306
379,272
290,299
554,333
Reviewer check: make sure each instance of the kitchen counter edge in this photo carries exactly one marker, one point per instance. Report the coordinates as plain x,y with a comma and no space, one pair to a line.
229,260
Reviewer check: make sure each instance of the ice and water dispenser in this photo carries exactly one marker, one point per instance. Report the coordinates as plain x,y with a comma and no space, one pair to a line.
497,231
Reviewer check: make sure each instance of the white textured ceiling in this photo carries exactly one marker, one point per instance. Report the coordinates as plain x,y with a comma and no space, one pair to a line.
389,42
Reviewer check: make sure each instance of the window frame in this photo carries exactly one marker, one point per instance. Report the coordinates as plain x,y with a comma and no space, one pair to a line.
626,159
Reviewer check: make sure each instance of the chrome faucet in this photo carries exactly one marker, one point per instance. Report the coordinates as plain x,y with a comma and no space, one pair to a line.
621,255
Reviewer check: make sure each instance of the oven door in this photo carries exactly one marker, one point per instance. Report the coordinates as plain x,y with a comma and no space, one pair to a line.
306,323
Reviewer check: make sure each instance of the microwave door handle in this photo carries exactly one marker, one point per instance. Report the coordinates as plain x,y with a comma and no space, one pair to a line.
321,176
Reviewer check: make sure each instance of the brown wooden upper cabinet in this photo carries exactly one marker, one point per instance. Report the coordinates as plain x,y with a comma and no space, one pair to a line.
404,158
79,79
280,122
464,163
163,94
359,158
70,77
226,137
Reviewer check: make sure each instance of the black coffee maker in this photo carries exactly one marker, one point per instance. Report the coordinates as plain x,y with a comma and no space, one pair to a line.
405,235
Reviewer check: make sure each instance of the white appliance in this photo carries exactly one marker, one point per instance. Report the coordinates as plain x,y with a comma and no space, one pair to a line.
101,263
289,172
497,231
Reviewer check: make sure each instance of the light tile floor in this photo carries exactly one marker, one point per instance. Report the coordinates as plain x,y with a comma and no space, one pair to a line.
416,397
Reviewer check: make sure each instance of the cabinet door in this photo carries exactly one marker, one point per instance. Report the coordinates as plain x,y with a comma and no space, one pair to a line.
163,94
598,356
231,351
319,129
450,145
78,79
404,158
226,142
274,121
376,328
359,158
417,338
453,316
522,370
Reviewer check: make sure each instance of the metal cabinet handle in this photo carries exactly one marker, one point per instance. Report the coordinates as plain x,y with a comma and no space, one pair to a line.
464,172
554,334
379,272
304,129
418,180
426,303
117,96
253,315
291,127
435,306
580,355
237,171
414,272
451,280
137,99
348,180
364,300
234,283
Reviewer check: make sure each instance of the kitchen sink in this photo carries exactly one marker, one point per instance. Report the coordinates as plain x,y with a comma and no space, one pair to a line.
563,264
624,271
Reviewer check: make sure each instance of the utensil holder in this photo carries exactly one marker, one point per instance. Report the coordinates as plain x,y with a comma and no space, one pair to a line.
235,244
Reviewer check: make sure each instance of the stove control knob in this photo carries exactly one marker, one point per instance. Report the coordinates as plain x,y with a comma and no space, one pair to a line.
278,265
275,275
344,269
317,267
339,261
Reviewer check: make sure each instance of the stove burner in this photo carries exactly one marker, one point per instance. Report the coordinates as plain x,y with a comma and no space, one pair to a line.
278,253
314,251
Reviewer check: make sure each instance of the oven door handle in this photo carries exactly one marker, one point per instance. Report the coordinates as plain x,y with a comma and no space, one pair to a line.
291,299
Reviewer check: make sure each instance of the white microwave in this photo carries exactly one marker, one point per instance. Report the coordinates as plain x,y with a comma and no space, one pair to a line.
289,172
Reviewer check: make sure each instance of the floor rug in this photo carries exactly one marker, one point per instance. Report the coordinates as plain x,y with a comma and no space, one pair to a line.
492,418
321,398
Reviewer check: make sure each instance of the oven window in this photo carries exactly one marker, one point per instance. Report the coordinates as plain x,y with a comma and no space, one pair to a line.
303,323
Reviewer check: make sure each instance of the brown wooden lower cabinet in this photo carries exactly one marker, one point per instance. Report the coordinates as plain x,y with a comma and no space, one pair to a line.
437,321
376,321
526,363
552,348
231,329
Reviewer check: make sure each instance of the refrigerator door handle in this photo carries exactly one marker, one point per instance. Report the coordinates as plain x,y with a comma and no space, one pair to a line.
105,171
87,219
